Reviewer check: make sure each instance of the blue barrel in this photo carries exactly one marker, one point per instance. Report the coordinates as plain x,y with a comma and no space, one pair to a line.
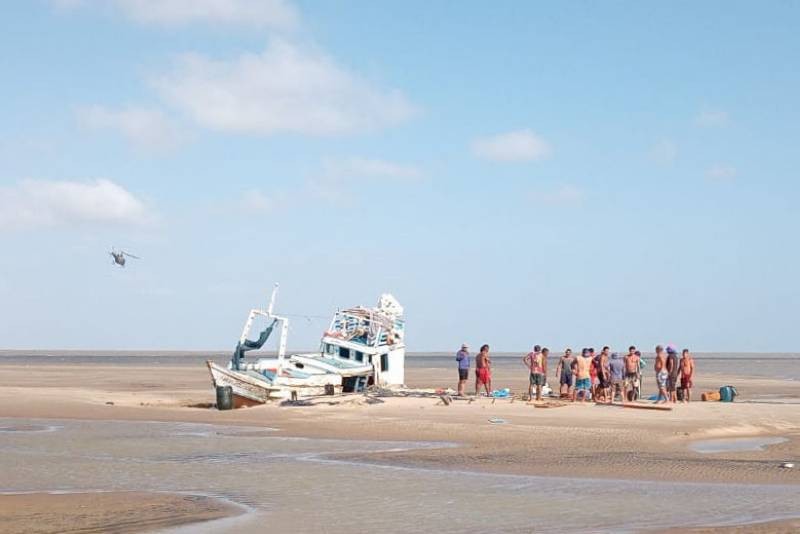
727,393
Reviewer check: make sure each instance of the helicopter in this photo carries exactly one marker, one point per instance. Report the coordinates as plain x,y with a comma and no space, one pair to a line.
119,257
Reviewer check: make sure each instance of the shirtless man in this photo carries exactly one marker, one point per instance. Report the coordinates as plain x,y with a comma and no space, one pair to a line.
687,371
533,361
673,371
661,374
631,374
583,383
483,371
603,375
564,373
593,372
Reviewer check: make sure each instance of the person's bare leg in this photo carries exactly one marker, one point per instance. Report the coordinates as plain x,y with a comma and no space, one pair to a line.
538,392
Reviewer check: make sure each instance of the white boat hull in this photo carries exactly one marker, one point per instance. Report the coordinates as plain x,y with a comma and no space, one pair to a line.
247,390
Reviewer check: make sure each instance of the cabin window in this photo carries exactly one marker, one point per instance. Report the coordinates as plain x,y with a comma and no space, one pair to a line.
384,362
359,356
344,353
329,348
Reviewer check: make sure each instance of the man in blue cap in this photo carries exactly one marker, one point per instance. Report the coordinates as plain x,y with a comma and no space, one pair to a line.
616,369
462,357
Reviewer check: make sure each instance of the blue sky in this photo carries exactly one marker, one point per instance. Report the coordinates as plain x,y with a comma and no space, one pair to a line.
564,173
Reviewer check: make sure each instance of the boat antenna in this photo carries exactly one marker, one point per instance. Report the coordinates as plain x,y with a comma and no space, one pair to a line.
272,300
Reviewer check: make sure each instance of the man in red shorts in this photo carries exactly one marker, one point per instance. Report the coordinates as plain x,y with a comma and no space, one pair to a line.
483,370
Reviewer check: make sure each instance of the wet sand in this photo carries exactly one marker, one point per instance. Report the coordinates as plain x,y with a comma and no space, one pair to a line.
581,440
117,512
578,439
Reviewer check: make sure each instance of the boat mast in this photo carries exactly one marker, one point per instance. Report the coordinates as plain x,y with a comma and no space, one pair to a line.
284,325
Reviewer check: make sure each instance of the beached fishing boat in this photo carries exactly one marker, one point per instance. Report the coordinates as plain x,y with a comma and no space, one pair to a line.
361,347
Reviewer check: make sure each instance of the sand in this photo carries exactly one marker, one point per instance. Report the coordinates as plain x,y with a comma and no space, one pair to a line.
573,440
117,512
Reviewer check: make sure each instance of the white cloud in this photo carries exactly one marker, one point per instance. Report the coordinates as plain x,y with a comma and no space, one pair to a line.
566,195
520,145
664,152
283,89
42,203
721,173
146,128
271,14
711,118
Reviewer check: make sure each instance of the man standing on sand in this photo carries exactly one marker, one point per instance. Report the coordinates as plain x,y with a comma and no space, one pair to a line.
536,362
593,372
673,370
462,357
483,371
616,368
564,373
687,371
584,382
661,374
603,378
631,374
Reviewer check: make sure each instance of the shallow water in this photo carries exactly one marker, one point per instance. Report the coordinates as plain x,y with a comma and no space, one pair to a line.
785,366
712,446
306,485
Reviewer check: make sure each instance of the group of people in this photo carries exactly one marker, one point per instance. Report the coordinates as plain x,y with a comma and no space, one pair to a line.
602,377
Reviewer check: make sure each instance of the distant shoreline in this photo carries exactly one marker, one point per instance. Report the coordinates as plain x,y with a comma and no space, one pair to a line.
414,354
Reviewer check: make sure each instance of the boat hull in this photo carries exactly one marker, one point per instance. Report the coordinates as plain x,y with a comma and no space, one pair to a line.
250,390
247,390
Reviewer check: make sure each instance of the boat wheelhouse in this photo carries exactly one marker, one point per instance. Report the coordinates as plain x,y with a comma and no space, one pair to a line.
365,336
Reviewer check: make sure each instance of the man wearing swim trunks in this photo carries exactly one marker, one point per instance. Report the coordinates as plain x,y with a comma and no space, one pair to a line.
687,371
603,377
673,370
593,372
462,357
574,368
583,383
631,374
483,371
542,379
661,374
536,362
564,373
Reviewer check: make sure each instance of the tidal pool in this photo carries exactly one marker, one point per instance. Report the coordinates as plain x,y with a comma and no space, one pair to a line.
712,446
